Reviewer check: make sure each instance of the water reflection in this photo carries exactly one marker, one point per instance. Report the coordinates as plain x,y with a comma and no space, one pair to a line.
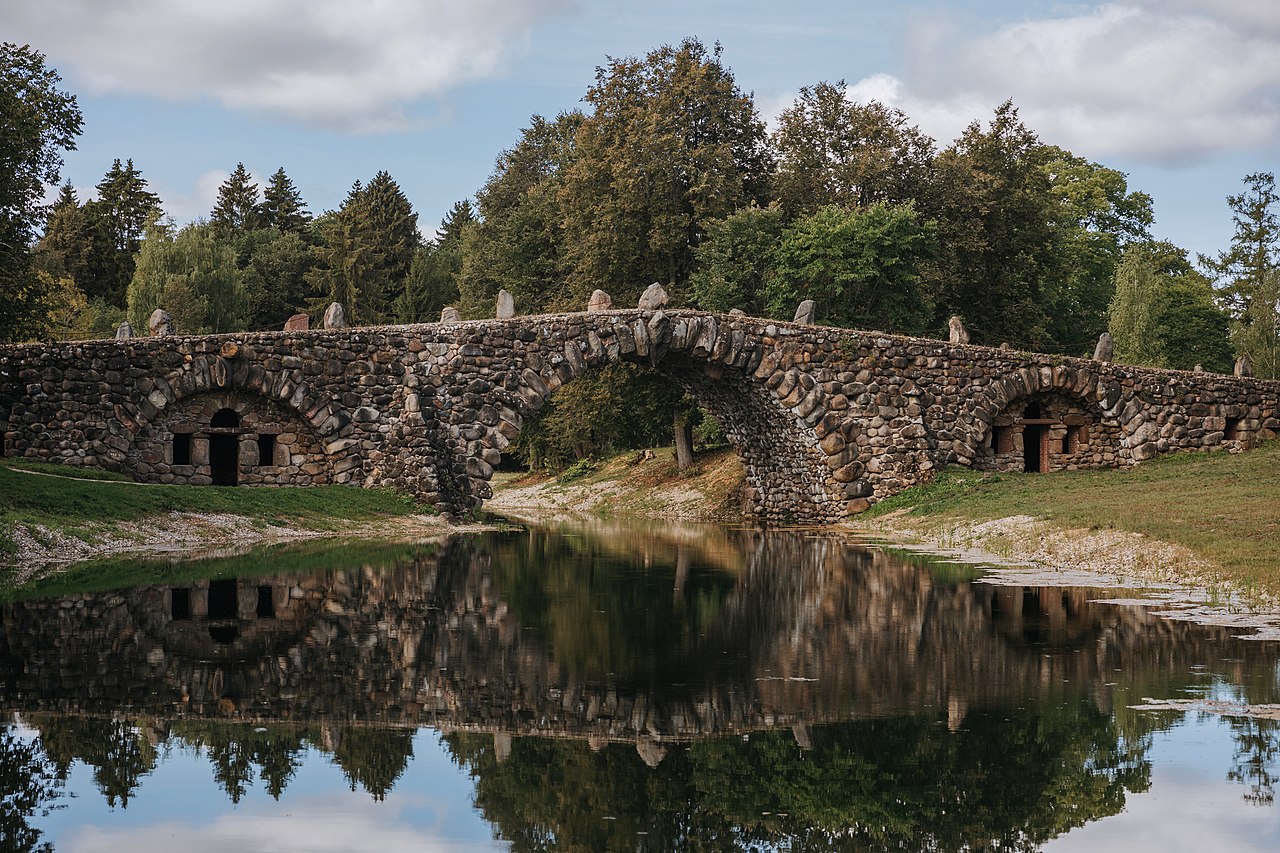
700,688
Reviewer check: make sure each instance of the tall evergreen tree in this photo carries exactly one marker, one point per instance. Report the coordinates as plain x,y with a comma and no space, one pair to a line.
1247,274
387,222
119,217
238,209
282,205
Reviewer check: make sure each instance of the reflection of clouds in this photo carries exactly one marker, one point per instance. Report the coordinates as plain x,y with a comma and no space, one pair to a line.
322,824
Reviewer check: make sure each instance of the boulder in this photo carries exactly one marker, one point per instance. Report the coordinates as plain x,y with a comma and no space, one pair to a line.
1105,349
1244,365
600,301
160,323
958,333
506,305
449,314
653,298
805,312
124,331
334,317
298,323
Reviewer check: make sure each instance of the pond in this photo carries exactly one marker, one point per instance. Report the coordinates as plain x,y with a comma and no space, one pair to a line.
620,687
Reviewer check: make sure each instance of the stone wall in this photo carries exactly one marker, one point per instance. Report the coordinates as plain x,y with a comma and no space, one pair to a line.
825,420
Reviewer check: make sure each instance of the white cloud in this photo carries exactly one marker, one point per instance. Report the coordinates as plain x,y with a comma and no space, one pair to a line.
353,66
1161,81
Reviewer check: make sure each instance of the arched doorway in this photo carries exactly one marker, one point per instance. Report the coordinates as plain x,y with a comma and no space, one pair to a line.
224,447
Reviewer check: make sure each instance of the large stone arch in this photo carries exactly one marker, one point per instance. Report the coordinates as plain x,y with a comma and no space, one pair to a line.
275,394
773,412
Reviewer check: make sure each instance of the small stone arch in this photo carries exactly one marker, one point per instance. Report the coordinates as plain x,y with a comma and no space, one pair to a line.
1039,420
768,405
304,431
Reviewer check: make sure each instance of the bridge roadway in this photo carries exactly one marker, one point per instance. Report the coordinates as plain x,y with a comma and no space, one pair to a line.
826,420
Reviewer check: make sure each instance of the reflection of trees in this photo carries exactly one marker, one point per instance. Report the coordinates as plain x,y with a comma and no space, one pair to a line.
1254,760
29,783
119,754
374,758
1005,779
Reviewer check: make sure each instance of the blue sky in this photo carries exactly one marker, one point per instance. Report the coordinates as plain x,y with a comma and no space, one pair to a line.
1183,95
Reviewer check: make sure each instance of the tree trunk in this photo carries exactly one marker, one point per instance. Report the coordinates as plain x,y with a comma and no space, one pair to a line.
684,443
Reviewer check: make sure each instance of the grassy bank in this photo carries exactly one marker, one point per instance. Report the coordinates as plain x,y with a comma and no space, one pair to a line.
86,504
1223,508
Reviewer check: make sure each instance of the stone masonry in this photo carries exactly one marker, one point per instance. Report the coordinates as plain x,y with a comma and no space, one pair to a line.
826,420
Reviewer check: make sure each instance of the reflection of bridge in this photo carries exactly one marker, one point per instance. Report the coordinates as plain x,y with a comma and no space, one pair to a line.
470,640
825,420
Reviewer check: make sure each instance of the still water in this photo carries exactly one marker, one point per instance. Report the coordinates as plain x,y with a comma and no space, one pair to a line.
619,688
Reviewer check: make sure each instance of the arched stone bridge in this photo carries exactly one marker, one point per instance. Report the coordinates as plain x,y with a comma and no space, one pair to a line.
826,420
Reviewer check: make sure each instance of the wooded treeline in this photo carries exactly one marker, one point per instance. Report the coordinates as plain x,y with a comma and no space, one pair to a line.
667,174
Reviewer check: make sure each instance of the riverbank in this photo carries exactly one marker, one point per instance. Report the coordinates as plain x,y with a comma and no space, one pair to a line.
1206,519
52,516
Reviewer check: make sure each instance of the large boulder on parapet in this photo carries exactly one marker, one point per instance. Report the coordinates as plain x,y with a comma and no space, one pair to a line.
600,301
654,298
335,317
124,331
805,312
506,307
298,323
160,323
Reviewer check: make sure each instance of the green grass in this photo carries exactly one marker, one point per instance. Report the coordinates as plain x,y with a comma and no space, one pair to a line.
80,508
1224,507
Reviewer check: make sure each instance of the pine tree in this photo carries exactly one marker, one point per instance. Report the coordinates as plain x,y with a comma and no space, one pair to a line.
238,207
126,205
282,205
459,217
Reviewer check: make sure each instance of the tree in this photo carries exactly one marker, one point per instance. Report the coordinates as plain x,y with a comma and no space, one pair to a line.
274,266
996,234
832,151
519,243
282,205
735,261
860,266
37,123
119,216
238,209
1135,311
1247,275
672,144
193,275
432,282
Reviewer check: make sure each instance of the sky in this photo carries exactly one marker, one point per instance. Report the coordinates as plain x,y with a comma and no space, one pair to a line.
1182,95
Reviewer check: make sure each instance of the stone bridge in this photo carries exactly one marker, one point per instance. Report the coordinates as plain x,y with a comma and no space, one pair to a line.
826,420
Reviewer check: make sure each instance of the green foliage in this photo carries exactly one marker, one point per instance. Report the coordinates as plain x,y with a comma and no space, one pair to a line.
121,214
274,265
1248,274
37,123
860,266
671,144
193,275
374,758
736,260
577,471
433,277
832,151
1163,312
238,208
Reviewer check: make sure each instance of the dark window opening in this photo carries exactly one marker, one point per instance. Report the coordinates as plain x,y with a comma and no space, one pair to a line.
1032,411
225,418
266,606
1033,450
179,603
182,448
224,459
1231,432
266,450
223,603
